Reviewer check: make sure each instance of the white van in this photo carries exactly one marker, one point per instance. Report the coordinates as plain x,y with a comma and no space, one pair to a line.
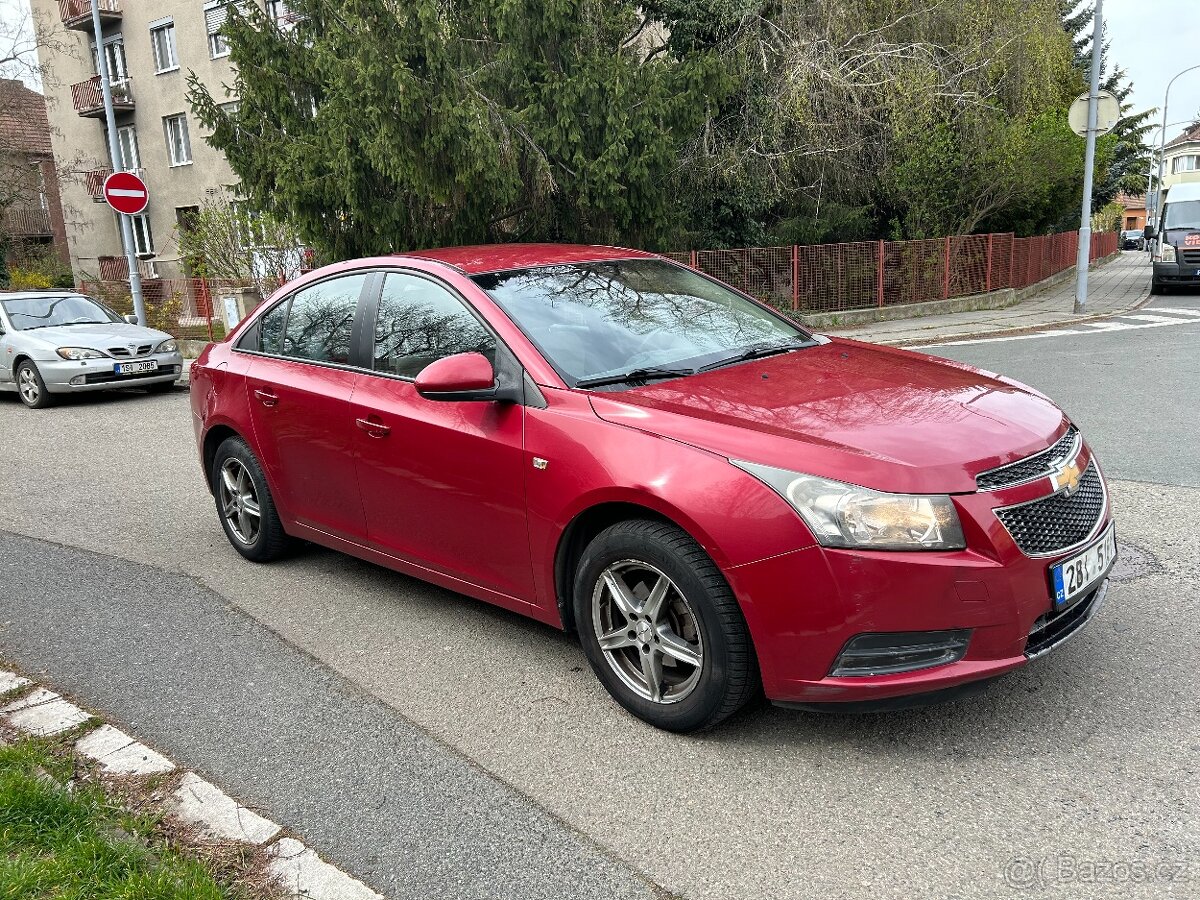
1177,240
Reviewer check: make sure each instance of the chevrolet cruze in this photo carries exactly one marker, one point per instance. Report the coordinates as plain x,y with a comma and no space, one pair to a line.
717,502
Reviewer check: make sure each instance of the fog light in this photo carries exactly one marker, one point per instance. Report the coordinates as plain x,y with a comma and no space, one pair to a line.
900,651
79,379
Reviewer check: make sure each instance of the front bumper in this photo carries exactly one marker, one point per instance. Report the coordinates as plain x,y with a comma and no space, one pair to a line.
804,607
1182,274
98,375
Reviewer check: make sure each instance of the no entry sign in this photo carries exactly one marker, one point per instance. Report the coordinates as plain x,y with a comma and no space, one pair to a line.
126,193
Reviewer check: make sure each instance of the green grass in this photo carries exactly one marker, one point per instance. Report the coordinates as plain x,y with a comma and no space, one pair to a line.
57,844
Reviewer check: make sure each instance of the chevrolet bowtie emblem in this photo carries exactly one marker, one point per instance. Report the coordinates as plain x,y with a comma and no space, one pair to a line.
1067,477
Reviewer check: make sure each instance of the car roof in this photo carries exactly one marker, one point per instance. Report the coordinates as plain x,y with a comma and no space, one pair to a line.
1187,191
481,258
34,295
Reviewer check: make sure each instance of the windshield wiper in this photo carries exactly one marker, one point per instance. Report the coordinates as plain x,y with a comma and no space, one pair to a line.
633,375
754,353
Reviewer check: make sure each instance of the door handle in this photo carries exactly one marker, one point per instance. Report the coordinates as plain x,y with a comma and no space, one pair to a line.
373,429
266,397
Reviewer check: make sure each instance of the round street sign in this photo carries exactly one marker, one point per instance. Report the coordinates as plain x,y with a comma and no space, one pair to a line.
126,193
1108,111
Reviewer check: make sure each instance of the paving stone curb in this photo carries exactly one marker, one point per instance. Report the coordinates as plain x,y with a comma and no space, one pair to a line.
295,868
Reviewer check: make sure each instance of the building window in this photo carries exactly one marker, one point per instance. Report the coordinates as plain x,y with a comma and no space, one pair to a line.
162,41
129,159
1185,164
215,15
143,238
179,146
114,57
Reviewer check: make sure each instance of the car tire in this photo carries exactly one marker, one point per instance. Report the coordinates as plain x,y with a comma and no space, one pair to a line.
1155,287
30,386
240,489
655,625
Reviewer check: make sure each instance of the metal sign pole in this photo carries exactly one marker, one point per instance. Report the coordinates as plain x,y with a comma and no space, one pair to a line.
1083,257
135,278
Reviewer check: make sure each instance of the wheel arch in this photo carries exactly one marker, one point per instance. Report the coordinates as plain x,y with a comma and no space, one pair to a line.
213,438
580,532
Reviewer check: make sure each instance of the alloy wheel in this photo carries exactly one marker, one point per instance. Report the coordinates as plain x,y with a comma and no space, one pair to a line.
239,502
27,384
648,631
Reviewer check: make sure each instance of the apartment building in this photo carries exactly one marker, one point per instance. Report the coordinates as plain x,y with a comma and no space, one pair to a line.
1181,158
150,46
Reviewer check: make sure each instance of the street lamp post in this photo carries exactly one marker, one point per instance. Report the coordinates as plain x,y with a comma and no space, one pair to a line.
1162,148
135,277
1083,256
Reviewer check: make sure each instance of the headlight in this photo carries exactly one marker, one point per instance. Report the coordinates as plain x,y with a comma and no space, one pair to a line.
79,353
167,346
845,515
1168,252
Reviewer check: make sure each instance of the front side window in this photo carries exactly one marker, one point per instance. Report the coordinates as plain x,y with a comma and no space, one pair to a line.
162,42
29,313
321,319
419,322
179,145
269,338
592,320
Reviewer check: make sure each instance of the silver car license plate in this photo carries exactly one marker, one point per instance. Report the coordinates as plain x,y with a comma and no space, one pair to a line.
136,368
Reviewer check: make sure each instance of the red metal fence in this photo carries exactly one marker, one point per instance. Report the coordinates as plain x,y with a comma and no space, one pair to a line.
838,277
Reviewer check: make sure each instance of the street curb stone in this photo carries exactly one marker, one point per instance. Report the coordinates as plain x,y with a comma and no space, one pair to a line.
44,713
217,815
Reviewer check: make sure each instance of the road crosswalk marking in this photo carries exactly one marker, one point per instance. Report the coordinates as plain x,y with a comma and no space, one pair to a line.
1160,317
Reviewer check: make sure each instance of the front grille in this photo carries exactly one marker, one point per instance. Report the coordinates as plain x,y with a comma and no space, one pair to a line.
1189,257
1053,628
107,377
1058,522
123,352
1031,467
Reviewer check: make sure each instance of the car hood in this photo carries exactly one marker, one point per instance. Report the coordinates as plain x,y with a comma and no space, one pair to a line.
884,418
96,337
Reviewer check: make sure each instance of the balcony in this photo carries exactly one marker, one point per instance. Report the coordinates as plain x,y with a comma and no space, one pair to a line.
94,180
114,268
88,99
78,13
20,222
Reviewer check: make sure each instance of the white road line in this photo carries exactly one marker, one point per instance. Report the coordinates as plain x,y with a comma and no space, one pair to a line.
1105,327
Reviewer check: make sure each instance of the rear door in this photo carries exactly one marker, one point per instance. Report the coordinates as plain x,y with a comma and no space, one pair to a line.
299,388
443,482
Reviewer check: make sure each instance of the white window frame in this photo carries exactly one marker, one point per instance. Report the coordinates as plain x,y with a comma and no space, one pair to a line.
143,235
164,29
174,160
118,64
218,47
127,140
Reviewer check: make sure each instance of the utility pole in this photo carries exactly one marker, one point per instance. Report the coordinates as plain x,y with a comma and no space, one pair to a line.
135,278
1083,257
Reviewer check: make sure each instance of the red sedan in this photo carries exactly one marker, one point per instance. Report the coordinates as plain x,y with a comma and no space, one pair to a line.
716,501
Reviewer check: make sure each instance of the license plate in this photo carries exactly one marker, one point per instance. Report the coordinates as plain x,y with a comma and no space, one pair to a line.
1073,577
136,368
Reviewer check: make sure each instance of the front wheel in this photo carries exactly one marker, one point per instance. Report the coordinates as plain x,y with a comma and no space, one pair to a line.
30,386
661,628
1155,287
244,503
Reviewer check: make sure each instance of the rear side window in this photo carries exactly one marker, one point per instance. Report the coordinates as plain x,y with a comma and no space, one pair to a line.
321,319
420,322
270,329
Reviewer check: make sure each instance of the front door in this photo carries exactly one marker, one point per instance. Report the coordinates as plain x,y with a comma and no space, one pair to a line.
299,388
442,481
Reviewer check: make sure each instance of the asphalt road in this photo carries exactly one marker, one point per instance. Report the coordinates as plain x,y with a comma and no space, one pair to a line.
474,730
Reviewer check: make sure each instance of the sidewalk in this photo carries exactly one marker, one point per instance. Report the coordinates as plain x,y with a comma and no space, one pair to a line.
1114,287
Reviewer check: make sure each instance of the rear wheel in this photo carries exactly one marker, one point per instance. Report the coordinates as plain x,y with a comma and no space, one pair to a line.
244,503
661,628
30,386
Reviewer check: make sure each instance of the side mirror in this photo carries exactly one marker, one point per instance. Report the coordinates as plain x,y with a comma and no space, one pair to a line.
132,320
464,376
1148,232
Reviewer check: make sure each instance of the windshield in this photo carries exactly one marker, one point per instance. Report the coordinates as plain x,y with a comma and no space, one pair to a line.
27,313
595,319
1182,214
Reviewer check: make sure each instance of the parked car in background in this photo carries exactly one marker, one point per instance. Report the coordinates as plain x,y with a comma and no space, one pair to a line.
715,500
1133,239
60,342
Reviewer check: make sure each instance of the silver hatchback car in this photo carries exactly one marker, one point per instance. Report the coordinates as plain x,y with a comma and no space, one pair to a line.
61,342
